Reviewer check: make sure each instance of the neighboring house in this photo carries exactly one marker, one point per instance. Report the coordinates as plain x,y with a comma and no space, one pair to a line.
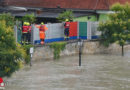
48,10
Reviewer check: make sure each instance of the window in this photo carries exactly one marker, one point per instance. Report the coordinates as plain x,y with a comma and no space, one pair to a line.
1,2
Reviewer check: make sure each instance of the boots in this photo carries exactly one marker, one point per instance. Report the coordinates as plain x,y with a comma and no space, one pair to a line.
42,42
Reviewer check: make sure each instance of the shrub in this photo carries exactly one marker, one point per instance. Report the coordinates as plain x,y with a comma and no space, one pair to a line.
66,15
29,18
11,54
27,50
57,48
8,18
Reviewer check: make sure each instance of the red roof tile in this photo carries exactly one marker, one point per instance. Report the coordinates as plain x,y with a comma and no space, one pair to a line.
73,4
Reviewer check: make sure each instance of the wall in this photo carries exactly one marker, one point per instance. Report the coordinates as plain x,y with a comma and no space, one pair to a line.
102,17
55,32
44,52
85,19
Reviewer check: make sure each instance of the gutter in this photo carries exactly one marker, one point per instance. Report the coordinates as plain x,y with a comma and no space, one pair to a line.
104,12
14,8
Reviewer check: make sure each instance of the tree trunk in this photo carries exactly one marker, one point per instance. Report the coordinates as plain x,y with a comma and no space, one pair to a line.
122,50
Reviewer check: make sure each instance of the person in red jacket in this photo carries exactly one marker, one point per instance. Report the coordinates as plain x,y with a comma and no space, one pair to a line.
25,33
66,31
29,32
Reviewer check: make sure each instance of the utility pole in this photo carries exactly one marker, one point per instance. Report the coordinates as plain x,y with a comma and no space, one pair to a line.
80,43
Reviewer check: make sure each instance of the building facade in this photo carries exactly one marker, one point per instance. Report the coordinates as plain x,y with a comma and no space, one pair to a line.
84,10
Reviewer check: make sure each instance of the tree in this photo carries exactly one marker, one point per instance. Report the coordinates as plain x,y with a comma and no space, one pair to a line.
11,53
29,18
66,15
117,29
8,19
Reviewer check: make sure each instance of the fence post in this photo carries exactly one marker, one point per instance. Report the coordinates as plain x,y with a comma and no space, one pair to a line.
32,34
15,32
89,33
77,30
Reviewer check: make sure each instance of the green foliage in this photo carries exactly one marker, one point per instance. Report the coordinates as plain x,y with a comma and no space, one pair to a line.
27,50
117,29
29,18
66,15
8,19
57,46
11,54
117,7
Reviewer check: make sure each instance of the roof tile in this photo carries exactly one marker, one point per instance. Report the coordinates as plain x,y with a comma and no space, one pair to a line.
73,4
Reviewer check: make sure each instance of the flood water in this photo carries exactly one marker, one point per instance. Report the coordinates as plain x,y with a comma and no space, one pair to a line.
98,72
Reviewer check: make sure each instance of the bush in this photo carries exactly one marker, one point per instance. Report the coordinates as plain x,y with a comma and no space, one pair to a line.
29,18
57,48
8,19
66,15
27,50
11,54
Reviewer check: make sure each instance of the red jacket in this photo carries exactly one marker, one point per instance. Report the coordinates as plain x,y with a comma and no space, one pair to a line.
67,24
25,29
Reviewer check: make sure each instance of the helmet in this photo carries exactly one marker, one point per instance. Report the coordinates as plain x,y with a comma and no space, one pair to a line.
24,23
42,23
66,20
28,24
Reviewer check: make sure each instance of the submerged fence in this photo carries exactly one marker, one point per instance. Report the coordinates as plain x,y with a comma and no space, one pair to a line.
55,32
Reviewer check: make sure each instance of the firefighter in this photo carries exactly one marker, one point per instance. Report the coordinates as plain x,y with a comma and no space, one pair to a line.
42,29
66,31
29,32
25,33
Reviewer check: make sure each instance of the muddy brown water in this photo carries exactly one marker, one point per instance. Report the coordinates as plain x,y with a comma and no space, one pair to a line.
98,72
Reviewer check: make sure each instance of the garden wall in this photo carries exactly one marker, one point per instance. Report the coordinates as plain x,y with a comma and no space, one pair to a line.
89,47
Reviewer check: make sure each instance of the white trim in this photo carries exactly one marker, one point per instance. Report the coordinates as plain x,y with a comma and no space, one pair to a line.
17,8
105,12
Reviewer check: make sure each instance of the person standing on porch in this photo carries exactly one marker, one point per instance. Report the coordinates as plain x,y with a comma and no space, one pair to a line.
42,29
66,30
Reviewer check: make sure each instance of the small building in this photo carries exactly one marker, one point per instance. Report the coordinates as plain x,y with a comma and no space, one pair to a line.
48,10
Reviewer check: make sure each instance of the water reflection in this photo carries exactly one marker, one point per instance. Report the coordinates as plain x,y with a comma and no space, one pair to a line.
98,72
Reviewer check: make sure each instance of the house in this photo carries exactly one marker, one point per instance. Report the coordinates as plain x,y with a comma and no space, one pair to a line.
48,10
